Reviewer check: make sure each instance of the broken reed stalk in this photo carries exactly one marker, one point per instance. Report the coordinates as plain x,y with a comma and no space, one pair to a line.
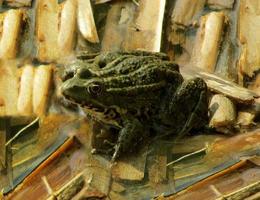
24,102
86,23
47,30
41,88
10,33
185,11
64,147
187,156
184,14
66,36
222,113
101,1
47,186
220,85
208,39
220,4
199,184
21,131
67,191
248,35
242,193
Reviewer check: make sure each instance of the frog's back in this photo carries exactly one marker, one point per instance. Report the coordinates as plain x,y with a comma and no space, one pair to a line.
135,80
118,63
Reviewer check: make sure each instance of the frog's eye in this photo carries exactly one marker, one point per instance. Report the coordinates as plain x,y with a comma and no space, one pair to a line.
94,89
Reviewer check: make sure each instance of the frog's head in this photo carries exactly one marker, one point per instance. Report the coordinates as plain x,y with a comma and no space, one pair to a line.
82,87
83,92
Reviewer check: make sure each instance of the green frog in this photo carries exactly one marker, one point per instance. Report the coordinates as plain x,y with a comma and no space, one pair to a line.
140,93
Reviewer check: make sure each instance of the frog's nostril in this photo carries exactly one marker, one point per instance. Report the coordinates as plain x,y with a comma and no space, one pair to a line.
67,75
102,64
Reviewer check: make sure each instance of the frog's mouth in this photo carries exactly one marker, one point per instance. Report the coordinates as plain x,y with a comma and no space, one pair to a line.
108,115
95,106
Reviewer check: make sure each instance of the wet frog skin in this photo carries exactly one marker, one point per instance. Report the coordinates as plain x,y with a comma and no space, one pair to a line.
138,93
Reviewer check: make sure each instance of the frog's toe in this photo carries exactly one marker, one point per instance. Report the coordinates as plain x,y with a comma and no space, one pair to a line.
116,153
110,144
102,151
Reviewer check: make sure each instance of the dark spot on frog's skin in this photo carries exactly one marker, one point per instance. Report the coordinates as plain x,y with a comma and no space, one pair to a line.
134,112
111,113
102,64
84,73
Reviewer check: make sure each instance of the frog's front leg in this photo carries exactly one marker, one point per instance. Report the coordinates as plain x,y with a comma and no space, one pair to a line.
129,137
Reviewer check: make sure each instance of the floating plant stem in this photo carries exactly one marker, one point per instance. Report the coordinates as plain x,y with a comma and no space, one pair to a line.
21,131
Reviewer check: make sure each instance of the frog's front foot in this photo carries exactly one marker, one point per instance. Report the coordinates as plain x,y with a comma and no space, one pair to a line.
103,151
129,137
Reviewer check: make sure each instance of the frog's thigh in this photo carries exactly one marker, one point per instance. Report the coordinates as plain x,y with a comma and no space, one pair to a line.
192,95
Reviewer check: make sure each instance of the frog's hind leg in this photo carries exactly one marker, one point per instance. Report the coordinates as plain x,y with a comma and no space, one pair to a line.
190,104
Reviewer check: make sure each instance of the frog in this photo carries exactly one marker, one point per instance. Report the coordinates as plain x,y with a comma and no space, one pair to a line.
141,94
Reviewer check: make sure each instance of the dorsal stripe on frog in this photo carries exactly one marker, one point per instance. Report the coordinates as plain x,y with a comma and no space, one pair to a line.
107,57
122,65
151,76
